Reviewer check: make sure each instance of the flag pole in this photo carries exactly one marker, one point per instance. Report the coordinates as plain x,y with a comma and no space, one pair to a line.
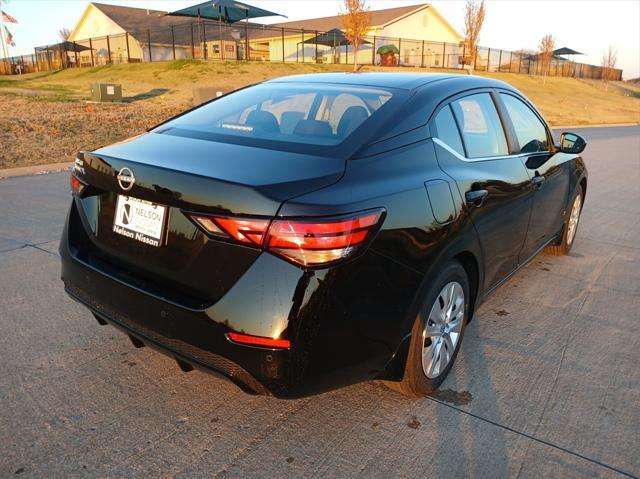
5,48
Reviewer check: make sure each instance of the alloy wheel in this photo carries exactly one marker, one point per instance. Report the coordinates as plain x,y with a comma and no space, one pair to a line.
442,329
574,217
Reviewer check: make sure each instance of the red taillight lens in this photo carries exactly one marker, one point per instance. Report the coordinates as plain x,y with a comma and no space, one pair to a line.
76,185
308,242
259,341
320,241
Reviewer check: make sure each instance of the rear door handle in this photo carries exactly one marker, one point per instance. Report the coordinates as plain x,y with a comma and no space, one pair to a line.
538,181
476,197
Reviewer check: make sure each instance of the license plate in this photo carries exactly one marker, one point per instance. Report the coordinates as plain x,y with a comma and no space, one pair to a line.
139,220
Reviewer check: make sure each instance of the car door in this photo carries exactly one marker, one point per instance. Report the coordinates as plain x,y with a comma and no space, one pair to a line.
472,148
549,174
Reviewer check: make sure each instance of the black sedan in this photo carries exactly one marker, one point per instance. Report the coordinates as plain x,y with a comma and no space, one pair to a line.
315,231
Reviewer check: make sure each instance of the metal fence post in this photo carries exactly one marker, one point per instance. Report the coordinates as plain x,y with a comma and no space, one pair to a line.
108,50
500,62
373,51
488,59
193,46
126,39
149,45
422,55
302,45
283,58
173,43
205,51
399,50
91,52
444,52
510,59
316,39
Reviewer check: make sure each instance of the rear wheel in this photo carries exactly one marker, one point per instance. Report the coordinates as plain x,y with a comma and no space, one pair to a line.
437,332
570,226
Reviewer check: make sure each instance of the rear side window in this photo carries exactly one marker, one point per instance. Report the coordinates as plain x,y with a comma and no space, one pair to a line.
448,130
531,133
287,113
482,131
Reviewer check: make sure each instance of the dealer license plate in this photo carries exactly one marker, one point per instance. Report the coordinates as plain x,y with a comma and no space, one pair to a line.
139,220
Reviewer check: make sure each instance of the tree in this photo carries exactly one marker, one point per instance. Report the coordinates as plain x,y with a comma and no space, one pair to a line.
609,60
64,34
473,19
357,21
545,54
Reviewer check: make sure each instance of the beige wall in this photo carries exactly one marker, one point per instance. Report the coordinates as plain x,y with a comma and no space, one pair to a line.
422,25
94,23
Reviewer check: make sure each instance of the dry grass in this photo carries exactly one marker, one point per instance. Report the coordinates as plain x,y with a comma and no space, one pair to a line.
44,117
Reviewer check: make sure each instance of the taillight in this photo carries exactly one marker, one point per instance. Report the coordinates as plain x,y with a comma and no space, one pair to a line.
77,186
315,242
308,242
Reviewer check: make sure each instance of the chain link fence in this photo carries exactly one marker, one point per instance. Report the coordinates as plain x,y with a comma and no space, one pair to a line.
210,40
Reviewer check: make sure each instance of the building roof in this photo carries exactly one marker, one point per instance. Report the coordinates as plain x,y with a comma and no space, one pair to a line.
379,18
143,23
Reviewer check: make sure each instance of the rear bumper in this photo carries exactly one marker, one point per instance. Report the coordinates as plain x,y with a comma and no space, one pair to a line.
344,323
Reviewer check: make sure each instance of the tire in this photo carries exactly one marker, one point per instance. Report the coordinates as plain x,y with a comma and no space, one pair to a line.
416,382
571,222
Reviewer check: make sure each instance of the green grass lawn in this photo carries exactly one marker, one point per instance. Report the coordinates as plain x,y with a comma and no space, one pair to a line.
564,101
46,114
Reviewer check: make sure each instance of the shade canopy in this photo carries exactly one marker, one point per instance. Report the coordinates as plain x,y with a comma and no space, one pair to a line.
566,51
332,38
227,11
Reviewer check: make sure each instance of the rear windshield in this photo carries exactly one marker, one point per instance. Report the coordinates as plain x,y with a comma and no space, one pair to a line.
321,115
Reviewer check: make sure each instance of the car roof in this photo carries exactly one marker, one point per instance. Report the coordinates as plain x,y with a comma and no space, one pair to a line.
401,80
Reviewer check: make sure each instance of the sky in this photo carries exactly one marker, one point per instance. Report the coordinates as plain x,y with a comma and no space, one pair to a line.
589,26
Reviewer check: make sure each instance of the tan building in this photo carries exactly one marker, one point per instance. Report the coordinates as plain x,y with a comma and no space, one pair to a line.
404,27
125,34
130,34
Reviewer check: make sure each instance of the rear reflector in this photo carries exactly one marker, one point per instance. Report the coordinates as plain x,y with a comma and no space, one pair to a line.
307,242
259,341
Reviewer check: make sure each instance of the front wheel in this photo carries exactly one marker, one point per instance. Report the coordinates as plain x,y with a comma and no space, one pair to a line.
572,220
437,332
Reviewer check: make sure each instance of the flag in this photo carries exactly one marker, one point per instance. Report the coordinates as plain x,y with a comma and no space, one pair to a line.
8,18
9,37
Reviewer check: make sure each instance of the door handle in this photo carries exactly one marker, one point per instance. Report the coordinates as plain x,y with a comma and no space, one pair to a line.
538,181
476,197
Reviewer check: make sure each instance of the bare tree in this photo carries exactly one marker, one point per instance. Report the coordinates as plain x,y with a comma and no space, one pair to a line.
545,54
357,21
64,34
473,19
609,60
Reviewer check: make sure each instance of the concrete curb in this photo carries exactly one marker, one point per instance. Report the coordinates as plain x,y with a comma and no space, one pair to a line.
57,167
34,170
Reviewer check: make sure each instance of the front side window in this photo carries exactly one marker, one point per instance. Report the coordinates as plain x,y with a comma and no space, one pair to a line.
321,115
531,133
482,130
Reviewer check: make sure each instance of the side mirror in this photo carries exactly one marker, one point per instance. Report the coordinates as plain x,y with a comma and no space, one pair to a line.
572,143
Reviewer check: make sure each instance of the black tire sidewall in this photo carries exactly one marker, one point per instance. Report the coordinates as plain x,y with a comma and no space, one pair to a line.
415,376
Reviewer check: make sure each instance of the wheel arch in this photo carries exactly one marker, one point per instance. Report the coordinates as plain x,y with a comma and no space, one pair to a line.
470,261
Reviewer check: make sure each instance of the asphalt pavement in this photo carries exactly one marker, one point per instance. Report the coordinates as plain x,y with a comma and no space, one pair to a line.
547,383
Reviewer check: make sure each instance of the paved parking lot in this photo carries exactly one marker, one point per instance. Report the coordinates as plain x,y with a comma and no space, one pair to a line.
547,383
